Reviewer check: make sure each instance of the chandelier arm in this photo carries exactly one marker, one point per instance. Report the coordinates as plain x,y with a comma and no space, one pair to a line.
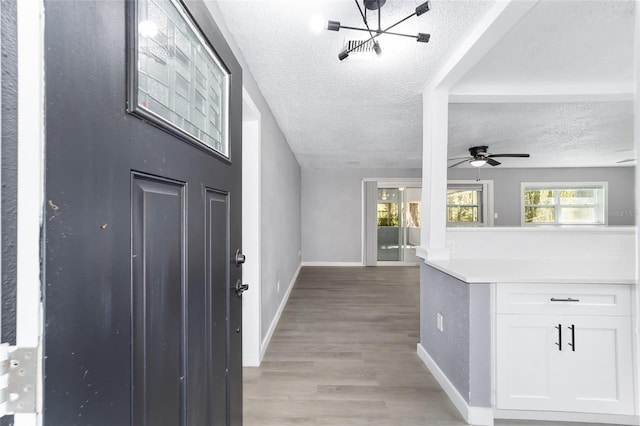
379,25
378,33
354,28
398,34
364,18
399,22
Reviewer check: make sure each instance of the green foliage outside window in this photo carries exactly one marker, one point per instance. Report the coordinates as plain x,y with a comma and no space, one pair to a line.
463,205
561,205
387,214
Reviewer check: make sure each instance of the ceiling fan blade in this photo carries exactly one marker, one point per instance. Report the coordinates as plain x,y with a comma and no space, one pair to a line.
459,162
628,160
509,155
459,158
493,162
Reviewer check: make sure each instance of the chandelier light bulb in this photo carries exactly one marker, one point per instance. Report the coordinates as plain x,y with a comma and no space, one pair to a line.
317,24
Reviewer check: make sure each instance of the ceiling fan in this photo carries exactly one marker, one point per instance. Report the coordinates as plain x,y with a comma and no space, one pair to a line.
479,157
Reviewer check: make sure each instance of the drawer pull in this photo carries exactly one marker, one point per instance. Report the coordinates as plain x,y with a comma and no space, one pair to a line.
559,342
568,299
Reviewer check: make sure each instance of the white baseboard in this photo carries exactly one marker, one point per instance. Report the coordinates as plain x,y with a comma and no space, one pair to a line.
332,264
558,416
274,323
251,360
395,263
479,416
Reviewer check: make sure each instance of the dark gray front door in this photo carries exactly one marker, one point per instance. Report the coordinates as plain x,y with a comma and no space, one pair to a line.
142,326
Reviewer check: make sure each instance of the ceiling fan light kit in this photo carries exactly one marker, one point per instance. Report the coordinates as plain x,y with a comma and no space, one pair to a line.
373,33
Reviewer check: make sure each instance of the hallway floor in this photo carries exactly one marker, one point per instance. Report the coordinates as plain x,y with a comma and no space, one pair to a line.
344,353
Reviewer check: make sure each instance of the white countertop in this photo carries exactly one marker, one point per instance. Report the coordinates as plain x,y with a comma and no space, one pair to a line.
584,271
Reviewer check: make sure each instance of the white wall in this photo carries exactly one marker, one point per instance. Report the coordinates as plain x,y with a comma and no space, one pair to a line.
332,212
637,192
30,25
598,244
280,200
506,190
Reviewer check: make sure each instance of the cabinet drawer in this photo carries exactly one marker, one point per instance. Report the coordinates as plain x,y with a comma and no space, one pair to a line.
560,299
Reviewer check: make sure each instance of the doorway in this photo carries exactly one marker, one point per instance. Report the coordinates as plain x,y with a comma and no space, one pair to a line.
398,224
391,222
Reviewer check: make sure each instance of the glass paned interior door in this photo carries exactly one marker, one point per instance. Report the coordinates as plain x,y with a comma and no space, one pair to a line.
390,235
398,224
412,198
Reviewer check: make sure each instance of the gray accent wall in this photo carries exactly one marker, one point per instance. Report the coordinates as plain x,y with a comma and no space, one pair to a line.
332,211
280,196
463,350
506,188
280,222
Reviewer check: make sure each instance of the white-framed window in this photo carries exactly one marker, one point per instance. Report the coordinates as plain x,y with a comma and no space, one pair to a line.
563,203
469,203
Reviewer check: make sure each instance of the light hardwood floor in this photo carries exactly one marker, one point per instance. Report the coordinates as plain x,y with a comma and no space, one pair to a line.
344,353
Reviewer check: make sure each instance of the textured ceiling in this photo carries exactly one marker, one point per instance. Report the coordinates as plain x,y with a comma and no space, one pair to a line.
333,112
555,135
562,43
559,45
368,113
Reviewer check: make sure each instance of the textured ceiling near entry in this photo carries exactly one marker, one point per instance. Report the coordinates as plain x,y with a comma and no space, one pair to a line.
332,112
370,112
556,135
560,43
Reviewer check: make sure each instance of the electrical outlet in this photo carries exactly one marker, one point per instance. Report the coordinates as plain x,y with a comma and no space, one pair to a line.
278,286
616,248
440,322
451,245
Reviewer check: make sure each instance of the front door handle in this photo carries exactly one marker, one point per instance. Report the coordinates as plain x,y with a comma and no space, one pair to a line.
240,258
241,288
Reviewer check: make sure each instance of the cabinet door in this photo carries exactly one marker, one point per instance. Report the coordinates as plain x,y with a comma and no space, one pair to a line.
586,369
597,375
527,362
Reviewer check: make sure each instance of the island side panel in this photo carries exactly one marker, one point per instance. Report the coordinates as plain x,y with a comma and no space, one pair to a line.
480,345
441,293
463,349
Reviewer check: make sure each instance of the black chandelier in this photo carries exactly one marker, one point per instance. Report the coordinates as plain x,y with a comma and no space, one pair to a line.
373,33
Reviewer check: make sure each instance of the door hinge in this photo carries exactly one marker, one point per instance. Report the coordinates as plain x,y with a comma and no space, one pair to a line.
18,379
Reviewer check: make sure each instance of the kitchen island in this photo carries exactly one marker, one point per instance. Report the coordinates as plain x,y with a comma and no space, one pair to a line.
524,333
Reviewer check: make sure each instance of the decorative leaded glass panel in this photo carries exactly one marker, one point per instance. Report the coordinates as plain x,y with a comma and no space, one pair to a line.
179,81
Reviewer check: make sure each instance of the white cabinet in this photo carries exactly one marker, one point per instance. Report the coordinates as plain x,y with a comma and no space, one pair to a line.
568,350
